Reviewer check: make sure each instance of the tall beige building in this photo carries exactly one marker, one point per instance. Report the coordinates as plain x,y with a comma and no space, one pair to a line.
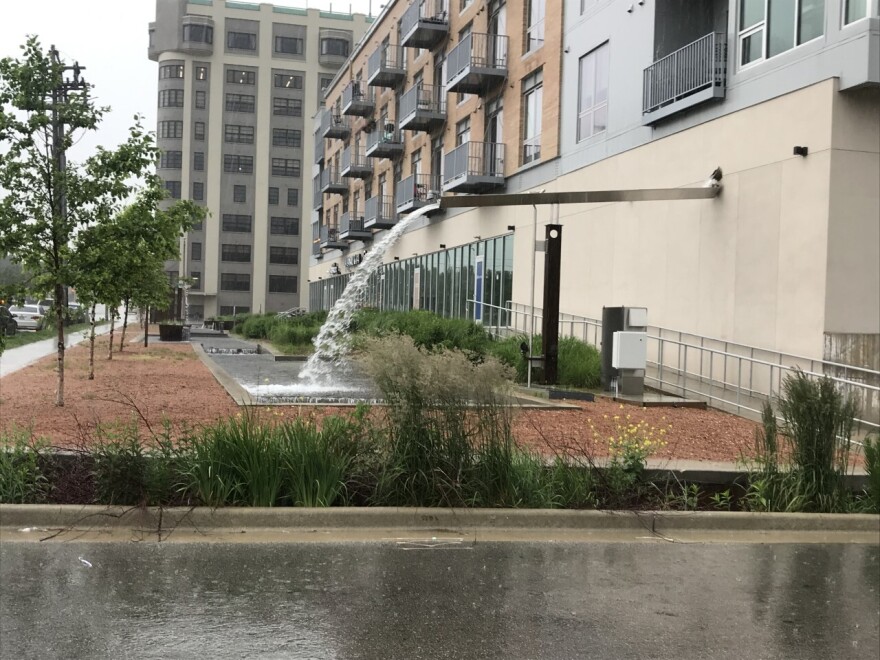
239,84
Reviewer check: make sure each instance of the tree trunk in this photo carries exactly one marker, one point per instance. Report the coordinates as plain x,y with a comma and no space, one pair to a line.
124,326
92,345
59,320
112,326
147,326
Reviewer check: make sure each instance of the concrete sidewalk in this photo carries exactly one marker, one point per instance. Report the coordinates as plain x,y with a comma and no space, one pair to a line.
14,359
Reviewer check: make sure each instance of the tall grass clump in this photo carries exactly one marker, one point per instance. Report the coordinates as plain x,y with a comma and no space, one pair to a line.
21,479
449,439
872,467
426,329
290,334
580,364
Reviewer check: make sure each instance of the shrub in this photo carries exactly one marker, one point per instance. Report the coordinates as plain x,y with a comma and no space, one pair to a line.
426,329
120,470
580,364
21,479
872,467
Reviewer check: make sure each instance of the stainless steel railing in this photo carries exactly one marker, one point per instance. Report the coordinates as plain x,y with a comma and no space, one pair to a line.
700,64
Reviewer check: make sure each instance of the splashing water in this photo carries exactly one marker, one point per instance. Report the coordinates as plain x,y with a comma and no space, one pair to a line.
332,341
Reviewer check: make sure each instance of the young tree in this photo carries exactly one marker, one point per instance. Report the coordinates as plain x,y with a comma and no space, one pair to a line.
46,200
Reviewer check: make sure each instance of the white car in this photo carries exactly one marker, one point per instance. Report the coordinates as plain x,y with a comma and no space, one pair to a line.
28,317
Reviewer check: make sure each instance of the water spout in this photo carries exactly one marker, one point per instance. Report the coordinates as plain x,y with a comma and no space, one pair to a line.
332,342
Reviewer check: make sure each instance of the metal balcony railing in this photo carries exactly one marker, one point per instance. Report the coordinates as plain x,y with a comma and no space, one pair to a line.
478,60
700,66
422,106
319,149
316,250
355,163
357,99
379,213
384,141
334,125
386,66
351,225
330,237
473,166
317,195
416,191
424,23
332,182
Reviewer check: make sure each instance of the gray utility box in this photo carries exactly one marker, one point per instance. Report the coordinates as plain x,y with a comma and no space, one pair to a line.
624,349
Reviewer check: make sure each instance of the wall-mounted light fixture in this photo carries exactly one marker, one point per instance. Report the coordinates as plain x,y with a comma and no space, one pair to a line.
396,258
801,151
511,227
477,238
442,246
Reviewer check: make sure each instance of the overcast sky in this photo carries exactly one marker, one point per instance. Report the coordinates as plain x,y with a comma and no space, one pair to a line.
109,38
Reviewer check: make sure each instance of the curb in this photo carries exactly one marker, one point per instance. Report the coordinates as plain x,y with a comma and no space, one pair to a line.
203,518
238,394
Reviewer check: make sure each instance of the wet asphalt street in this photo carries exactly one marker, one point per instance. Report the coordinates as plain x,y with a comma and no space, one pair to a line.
458,600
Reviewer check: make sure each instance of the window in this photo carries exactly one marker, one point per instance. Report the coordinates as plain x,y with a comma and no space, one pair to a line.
173,188
201,73
287,107
285,167
340,47
239,194
201,100
239,77
171,129
231,252
239,103
284,226
199,161
464,4
201,33
195,251
293,196
289,45
238,134
235,282
197,226
532,97
770,27
593,93
241,164
230,310
171,98
241,40
282,283
283,255
240,224
325,82
170,71
535,23
199,130
463,131
290,81
273,196
170,160
855,10
286,137
198,192
196,277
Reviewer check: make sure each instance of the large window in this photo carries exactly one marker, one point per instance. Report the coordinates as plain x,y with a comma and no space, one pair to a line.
233,222
593,93
532,103
199,161
286,137
273,196
201,73
173,188
239,164
855,10
233,252
289,81
330,46
238,134
282,283
198,192
535,25
293,196
199,130
241,40
283,255
286,167
239,77
201,100
195,251
200,33
287,107
171,160
239,103
170,71
284,226
171,129
239,194
463,131
770,27
289,45
171,98
235,282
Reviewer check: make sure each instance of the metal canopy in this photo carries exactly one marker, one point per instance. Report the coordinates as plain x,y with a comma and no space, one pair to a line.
579,197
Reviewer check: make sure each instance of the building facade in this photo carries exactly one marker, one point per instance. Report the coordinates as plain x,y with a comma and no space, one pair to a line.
574,95
239,84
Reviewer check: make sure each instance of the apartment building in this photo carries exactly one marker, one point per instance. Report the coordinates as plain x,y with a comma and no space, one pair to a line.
238,86
454,97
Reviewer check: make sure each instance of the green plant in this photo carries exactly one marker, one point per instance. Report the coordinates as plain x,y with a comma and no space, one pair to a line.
723,501
21,479
120,470
629,448
872,467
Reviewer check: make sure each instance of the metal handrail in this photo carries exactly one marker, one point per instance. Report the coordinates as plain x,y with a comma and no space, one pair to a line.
423,10
478,50
699,64
386,56
416,187
475,159
430,98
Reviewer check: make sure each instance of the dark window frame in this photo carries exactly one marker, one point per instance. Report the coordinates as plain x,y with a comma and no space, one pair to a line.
241,40
289,45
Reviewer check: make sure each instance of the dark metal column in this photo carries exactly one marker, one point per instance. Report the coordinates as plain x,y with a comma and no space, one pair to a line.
550,319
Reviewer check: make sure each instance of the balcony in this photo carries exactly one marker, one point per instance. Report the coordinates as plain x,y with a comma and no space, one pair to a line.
357,99
425,23
384,142
416,191
319,149
474,167
351,227
477,63
334,125
693,74
386,66
332,183
355,164
422,108
316,249
317,195
330,239
379,213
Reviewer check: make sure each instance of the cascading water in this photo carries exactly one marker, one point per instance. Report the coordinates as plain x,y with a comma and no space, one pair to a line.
332,342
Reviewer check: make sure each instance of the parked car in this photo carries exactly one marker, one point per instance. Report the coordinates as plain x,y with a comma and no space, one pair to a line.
8,324
28,317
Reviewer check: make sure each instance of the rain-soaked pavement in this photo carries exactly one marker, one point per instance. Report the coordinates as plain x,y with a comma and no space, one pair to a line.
470,600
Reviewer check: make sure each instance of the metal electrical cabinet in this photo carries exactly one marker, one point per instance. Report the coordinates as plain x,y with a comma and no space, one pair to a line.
624,349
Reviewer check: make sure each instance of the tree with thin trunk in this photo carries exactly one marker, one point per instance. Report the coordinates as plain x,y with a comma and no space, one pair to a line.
47,200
